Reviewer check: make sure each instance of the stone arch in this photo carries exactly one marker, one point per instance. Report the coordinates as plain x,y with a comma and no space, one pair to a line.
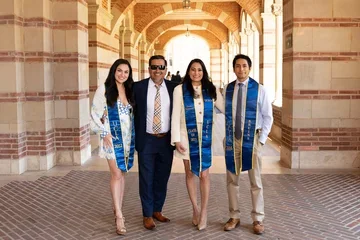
160,26
228,18
119,9
253,9
211,39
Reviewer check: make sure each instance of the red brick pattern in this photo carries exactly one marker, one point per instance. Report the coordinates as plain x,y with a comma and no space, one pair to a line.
146,13
321,56
99,65
16,56
277,116
43,22
12,146
93,26
84,2
321,94
43,96
103,46
78,206
15,146
104,4
321,22
72,139
314,139
40,143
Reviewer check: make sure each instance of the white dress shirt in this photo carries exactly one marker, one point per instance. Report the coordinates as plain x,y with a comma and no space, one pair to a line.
165,107
264,116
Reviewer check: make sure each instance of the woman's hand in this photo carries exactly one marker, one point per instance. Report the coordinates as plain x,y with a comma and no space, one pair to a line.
107,141
181,149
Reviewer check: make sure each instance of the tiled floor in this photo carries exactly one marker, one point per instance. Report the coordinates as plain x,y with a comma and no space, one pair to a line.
75,203
78,206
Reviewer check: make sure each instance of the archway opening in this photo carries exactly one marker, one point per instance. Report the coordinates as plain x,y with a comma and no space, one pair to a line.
182,49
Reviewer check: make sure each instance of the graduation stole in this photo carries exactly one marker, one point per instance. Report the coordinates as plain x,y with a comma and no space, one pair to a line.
123,161
248,134
200,157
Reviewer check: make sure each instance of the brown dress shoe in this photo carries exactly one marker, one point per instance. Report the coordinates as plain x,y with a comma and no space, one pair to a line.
231,224
258,227
149,223
161,218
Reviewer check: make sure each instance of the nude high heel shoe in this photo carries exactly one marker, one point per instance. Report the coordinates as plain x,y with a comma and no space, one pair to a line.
120,225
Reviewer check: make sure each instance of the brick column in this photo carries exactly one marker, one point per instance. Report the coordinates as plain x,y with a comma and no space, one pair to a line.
225,64
103,51
130,52
267,53
215,66
71,82
243,43
143,71
39,106
12,95
321,90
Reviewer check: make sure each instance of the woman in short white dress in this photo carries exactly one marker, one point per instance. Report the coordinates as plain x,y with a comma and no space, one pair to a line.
112,118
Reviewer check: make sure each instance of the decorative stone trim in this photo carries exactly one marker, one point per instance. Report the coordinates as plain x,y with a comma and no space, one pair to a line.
315,139
321,56
321,94
43,96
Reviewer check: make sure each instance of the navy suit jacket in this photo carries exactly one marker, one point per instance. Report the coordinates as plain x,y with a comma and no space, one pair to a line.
140,90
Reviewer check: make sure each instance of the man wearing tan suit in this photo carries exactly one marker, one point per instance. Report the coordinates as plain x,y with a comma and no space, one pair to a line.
248,120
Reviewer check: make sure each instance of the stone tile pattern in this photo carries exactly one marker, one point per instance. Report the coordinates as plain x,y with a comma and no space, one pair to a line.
78,206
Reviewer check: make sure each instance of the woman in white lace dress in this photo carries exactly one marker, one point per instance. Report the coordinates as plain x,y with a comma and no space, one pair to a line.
112,118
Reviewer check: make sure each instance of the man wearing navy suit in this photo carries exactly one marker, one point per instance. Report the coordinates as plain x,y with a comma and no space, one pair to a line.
153,107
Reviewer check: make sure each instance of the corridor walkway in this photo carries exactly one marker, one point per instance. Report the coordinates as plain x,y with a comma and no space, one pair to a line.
75,203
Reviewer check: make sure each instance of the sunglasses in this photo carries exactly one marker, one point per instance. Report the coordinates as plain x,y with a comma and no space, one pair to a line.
160,67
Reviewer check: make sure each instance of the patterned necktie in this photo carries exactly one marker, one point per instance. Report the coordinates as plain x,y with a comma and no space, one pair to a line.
238,112
157,112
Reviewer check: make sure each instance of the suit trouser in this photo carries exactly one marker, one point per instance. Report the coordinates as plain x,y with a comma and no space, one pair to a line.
155,162
256,188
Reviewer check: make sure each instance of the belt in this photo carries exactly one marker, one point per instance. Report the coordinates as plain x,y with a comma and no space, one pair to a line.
158,135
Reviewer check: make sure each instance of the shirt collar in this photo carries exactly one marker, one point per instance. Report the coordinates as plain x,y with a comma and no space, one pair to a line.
244,82
151,83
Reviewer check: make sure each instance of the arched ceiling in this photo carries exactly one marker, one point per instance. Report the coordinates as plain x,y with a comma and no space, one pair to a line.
154,17
211,39
161,26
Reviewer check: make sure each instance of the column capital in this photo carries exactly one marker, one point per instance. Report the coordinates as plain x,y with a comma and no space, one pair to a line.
248,31
276,9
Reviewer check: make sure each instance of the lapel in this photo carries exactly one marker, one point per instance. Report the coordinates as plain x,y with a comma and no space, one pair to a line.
144,94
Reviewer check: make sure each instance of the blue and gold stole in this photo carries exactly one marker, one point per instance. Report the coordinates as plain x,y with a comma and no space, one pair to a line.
248,135
200,157
124,162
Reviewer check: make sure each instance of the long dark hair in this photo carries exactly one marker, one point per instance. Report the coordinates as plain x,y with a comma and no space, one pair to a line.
111,91
205,81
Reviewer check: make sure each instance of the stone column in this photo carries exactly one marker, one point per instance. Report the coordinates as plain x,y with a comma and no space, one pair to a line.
130,52
267,53
277,11
71,82
320,111
215,66
243,43
143,60
225,64
12,91
39,106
